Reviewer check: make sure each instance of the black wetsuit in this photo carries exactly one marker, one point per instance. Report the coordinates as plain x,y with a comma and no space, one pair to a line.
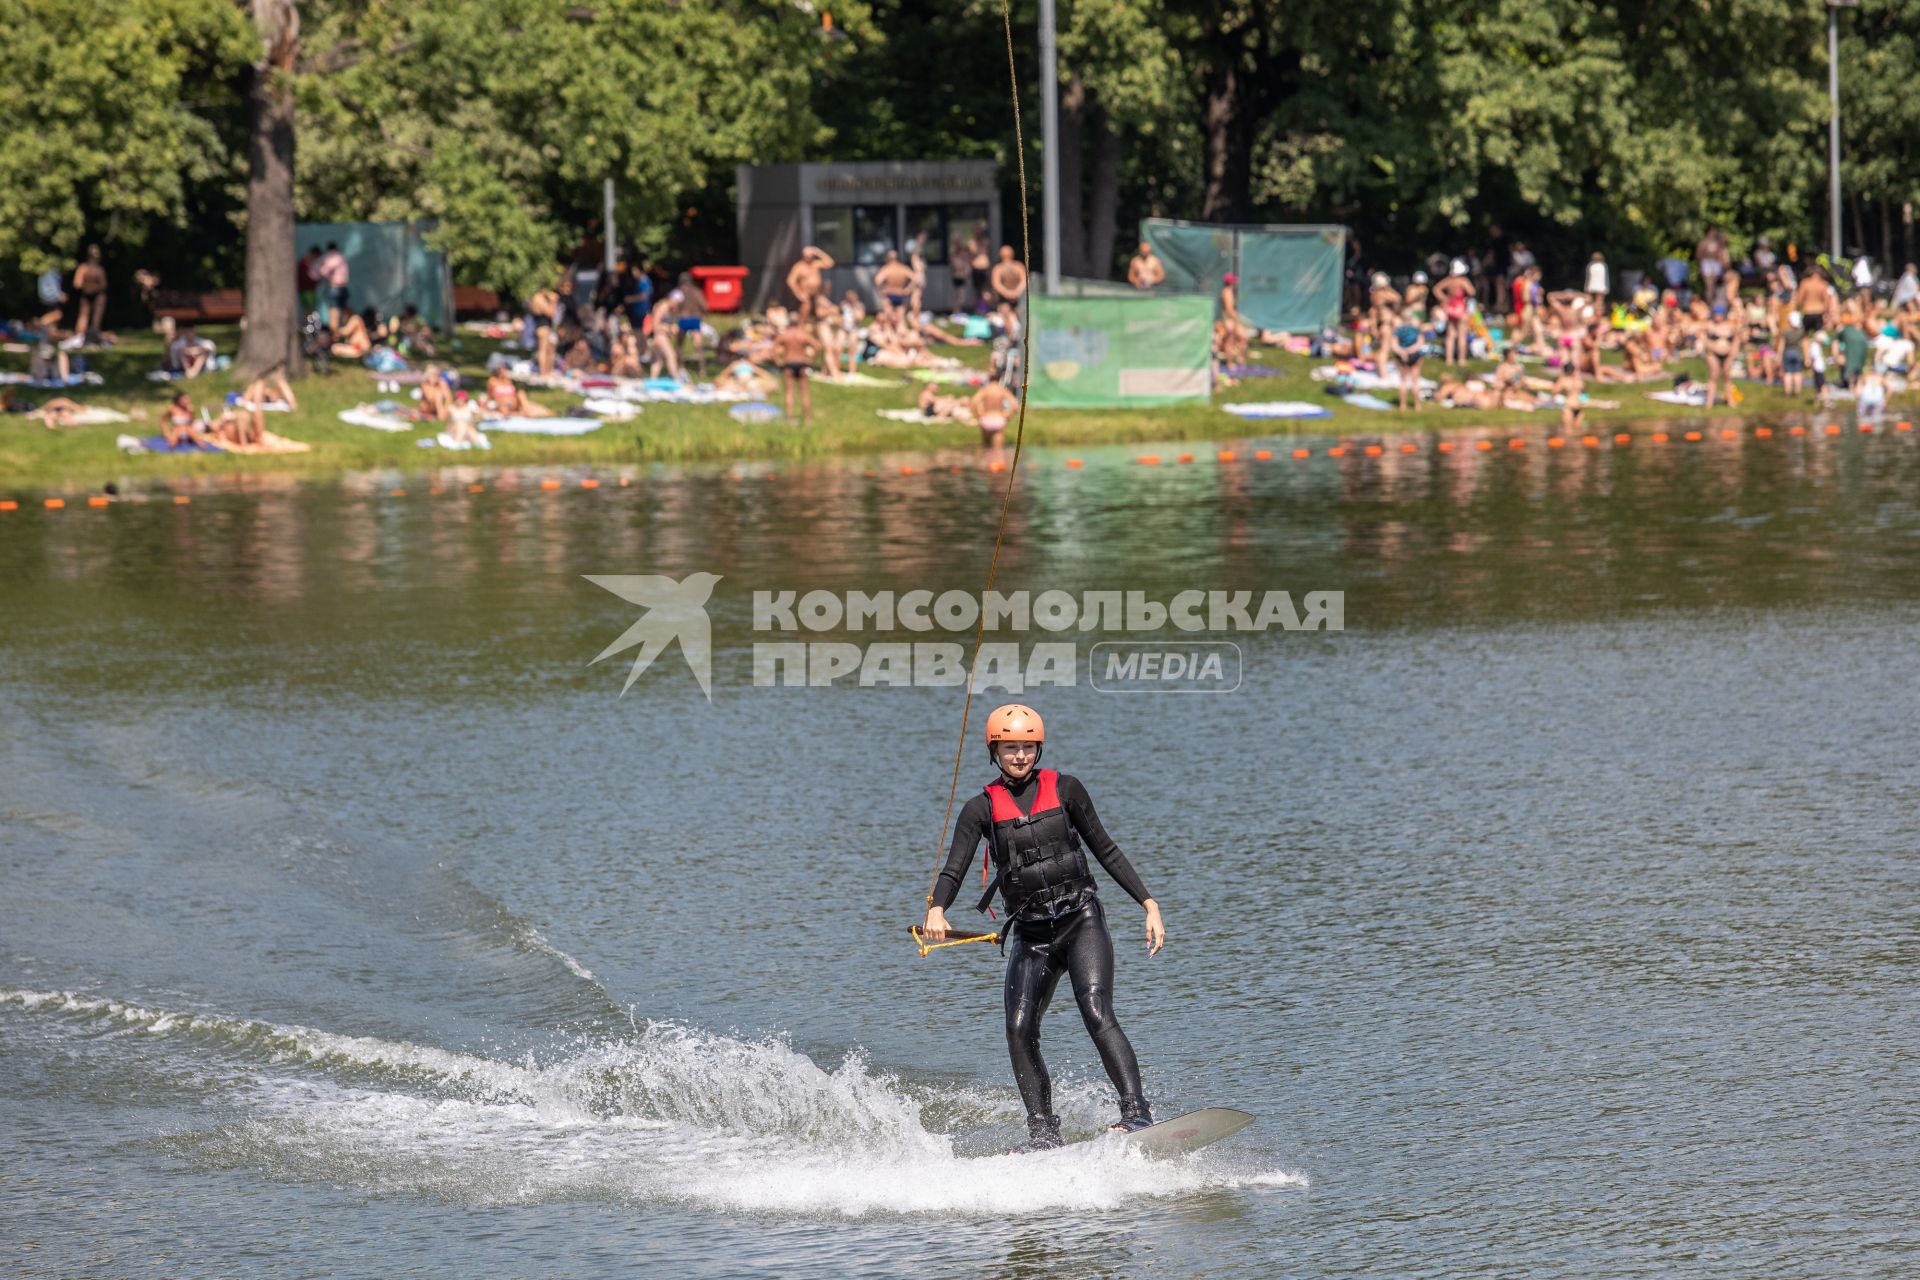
1054,937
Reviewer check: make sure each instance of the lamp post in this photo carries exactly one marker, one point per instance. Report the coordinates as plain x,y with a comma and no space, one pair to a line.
1833,121
1050,149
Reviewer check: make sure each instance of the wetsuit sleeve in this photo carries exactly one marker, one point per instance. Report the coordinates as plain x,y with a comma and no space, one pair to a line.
968,830
1079,807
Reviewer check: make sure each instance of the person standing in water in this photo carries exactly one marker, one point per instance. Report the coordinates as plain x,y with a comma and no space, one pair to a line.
1034,821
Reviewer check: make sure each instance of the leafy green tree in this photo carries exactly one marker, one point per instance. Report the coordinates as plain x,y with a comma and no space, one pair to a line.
112,115
500,118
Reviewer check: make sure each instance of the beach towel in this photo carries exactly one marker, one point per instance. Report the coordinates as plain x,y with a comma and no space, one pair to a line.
910,415
1252,371
543,426
613,410
87,379
369,416
1278,409
857,379
755,414
1361,400
269,443
91,415
445,441
158,444
1693,399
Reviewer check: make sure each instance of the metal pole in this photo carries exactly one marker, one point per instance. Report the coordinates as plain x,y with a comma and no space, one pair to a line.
606,226
1050,149
1833,126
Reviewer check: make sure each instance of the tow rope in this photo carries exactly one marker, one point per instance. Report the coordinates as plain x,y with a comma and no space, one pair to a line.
955,938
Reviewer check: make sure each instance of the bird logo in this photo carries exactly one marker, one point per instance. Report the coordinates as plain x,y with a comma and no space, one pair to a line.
674,611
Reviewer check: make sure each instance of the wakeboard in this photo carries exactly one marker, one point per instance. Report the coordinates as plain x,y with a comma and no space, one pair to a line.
1190,1132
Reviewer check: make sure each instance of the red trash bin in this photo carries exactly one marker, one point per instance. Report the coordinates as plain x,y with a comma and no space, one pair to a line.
722,287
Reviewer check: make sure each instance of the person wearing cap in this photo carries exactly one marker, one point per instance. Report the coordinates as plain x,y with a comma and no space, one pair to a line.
1383,305
1035,823
1416,303
1455,294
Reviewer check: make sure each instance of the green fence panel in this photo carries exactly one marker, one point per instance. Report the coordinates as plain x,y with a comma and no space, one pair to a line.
1290,277
388,266
1097,352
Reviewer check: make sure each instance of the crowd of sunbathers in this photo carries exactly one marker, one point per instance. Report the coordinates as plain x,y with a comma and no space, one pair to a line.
1765,320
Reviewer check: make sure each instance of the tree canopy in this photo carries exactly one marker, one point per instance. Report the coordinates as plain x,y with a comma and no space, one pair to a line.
1620,125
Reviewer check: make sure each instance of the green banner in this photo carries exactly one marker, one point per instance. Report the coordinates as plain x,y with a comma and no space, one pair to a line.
1146,349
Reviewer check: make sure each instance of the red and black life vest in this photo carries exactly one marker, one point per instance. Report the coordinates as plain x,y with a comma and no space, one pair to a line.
1039,867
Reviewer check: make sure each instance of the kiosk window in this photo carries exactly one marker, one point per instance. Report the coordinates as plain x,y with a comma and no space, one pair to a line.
875,230
833,231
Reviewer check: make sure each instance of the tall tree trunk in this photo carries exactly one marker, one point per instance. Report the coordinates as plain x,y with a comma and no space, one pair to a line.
1103,196
273,303
1229,189
1886,238
1073,227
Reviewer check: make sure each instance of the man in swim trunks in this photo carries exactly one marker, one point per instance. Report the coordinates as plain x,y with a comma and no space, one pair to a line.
1034,822
90,282
794,348
977,264
688,319
1009,279
894,283
957,267
1145,270
543,306
804,280
993,405
1408,346
1814,298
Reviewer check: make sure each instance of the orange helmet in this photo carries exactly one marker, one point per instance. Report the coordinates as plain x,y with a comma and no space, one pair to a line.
1015,722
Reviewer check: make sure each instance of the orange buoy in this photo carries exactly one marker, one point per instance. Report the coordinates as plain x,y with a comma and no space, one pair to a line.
1903,426
1227,455
1729,434
1796,431
476,488
1073,463
999,464
1409,448
1445,446
1555,442
549,484
1303,453
1623,438
98,500
1145,460
1866,427
1373,451
181,499
1763,433
1338,451
8,504
1591,442
1660,437
1186,457
1833,428
1484,446
1692,437
627,480
55,504
1263,455
588,482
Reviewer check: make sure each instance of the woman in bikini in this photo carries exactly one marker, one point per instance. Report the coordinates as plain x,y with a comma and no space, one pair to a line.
354,339
1719,339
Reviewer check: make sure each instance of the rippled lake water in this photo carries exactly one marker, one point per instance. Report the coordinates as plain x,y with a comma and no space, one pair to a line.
1557,917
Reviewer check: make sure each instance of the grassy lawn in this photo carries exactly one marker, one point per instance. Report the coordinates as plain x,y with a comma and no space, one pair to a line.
34,459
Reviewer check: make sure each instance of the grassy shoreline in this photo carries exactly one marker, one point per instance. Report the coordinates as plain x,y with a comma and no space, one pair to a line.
35,460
